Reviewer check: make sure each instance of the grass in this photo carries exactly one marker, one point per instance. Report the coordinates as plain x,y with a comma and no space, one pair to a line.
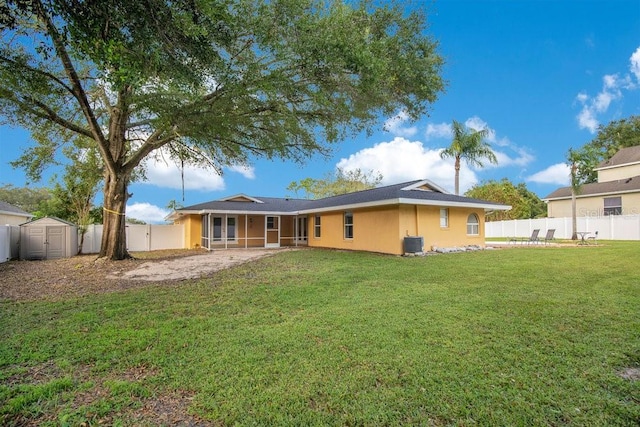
527,336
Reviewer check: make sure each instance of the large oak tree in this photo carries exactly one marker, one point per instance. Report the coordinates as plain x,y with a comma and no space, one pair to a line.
211,82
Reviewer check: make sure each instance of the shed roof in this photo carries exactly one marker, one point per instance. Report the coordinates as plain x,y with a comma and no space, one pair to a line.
48,219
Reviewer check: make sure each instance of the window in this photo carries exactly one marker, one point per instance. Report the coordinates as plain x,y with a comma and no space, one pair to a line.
348,225
473,225
271,223
316,227
444,217
613,205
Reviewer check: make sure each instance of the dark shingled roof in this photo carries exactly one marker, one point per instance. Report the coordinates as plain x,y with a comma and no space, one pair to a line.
387,193
611,187
623,157
6,207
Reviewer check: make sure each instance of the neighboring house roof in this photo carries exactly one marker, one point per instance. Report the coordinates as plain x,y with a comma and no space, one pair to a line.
6,208
419,192
627,185
625,156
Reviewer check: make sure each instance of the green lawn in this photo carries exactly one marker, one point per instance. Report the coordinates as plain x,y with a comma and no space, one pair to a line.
527,336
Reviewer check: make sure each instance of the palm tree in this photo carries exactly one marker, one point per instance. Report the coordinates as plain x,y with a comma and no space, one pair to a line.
469,146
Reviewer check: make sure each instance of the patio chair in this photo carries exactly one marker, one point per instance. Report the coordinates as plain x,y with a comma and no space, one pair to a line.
549,236
533,237
593,238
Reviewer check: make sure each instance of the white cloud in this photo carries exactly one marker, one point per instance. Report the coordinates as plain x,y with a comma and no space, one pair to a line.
442,130
521,158
635,64
403,160
555,174
477,124
394,125
167,174
248,172
612,90
147,212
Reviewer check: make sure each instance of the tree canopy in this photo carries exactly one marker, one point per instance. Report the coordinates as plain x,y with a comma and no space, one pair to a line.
607,142
213,83
524,203
338,182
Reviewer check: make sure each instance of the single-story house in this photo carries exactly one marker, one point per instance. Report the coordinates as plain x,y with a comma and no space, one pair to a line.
376,220
12,215
617,191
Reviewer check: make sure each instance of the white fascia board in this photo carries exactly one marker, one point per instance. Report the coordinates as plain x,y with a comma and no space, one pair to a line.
616,166
238,212
240,195
16,214
403,201
435,187
485,206
351,206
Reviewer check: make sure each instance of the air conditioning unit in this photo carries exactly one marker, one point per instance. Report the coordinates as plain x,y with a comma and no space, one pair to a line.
413,244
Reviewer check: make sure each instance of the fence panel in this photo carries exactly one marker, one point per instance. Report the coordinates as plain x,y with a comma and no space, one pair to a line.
140,238
9,242
612,227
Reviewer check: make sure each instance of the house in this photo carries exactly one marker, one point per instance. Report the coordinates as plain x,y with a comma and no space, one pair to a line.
12,215
617,191
376,220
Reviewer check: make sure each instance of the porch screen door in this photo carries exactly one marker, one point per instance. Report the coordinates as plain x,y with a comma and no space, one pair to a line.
222,231
272,232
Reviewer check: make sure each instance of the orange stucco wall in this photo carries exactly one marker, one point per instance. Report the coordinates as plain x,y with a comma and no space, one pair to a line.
374,230
384,229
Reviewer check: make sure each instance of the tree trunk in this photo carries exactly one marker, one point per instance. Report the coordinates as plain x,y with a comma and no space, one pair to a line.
114,237
457,166
574,218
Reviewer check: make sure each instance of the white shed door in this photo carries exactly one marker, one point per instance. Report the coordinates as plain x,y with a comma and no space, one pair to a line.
36,243
56,247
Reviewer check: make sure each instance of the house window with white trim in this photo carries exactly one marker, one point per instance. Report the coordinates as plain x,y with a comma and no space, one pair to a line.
444,218
613,205
348,225
473,225
316,227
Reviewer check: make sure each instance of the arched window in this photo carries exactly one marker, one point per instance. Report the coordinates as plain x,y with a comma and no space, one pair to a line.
473,225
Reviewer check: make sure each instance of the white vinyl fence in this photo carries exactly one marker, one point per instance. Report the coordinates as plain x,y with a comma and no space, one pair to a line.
9,242
612,227
139,238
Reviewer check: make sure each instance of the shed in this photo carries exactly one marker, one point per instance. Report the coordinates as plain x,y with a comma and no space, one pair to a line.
48,238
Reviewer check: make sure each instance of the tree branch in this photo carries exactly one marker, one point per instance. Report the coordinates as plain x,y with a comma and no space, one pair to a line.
77,89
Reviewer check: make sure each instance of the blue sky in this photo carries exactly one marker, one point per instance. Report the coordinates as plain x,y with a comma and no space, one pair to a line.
539,75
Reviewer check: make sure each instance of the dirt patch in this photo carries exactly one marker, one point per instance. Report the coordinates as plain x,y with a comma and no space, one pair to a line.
631,374
87,274
166,409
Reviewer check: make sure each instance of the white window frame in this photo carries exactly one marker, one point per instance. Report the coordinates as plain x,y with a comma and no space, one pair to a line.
348,226
473,226
612,205
444,217
317,230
